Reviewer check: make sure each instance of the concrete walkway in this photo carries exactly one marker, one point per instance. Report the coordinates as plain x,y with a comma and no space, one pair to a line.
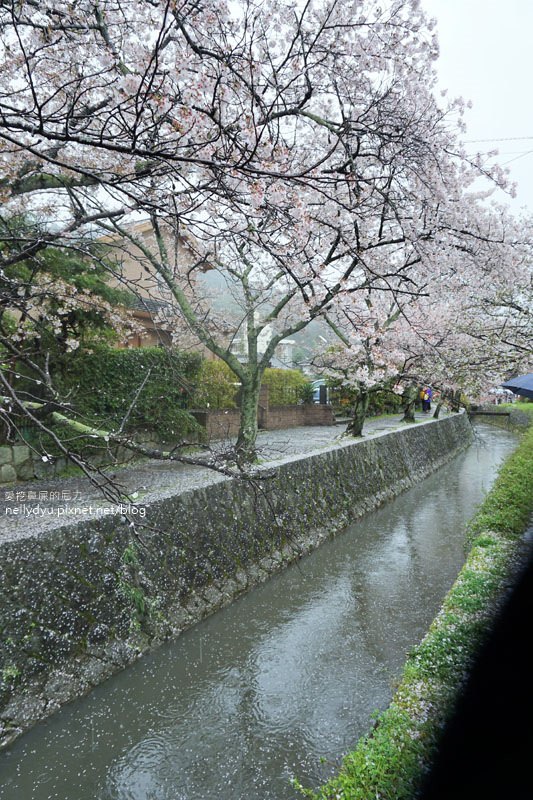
31,508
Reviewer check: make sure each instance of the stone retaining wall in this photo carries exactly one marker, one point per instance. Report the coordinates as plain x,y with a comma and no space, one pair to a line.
83,601
510,418
16,463
19,462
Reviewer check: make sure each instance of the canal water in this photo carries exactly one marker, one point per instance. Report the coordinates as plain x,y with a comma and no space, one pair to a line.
282,682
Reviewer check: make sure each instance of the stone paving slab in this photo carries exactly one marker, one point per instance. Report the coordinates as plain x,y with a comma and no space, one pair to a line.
31,508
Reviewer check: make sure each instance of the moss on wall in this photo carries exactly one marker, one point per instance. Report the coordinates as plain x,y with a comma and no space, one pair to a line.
84,600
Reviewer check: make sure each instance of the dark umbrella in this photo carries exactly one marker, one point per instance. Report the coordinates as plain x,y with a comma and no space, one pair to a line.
523,385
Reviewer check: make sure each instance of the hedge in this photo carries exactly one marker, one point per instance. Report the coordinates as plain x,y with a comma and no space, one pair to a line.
103,385
390,762
285,386
381,401
215,386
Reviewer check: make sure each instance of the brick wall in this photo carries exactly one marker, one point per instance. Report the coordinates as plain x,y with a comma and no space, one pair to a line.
222,424
219,423
279,417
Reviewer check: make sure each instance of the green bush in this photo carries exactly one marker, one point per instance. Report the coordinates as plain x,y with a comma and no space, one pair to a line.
285,386
523,405
215,386
103,385
307,393
384,402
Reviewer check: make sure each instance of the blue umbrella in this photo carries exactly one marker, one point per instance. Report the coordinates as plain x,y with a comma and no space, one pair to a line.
523,385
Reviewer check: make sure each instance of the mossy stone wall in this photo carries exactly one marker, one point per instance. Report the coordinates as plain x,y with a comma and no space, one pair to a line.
84,600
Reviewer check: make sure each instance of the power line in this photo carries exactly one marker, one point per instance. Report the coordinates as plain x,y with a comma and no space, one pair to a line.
502,153
507,139
517,157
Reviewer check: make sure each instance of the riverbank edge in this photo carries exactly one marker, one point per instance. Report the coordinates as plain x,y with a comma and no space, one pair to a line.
82,602
392,760
505,416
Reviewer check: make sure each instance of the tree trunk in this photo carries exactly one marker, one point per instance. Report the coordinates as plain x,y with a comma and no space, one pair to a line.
456,401
249,401
355,427
410,394
437,409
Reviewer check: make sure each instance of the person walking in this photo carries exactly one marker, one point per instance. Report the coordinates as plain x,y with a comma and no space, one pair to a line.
426,399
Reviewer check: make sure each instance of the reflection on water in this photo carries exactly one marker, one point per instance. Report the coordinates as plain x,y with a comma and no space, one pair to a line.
280,682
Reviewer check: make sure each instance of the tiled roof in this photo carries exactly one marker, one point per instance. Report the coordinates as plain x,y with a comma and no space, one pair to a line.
148,304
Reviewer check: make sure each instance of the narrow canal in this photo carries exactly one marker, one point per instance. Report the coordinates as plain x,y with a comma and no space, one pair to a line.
281,683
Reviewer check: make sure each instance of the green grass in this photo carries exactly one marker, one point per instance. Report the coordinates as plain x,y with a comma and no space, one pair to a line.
506,509
390,761
525,408
70,471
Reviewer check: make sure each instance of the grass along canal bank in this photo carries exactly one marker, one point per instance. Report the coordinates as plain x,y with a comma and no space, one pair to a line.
391,761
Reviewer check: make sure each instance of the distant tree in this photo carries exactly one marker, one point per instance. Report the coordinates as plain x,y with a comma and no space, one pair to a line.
368,360
60,298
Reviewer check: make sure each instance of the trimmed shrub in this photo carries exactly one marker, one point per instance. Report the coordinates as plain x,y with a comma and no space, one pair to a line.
215,386
381,401
103,386
285,386
384,402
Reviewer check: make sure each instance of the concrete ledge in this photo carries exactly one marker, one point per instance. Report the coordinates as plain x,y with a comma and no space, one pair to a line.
81,602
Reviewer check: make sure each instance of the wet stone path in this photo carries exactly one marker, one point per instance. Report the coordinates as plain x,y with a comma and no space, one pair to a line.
33,507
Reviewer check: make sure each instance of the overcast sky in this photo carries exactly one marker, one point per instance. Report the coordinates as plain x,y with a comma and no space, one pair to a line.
486,56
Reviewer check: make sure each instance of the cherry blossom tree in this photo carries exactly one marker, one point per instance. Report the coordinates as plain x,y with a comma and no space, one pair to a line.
299,146
474,326
369,358
465,333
